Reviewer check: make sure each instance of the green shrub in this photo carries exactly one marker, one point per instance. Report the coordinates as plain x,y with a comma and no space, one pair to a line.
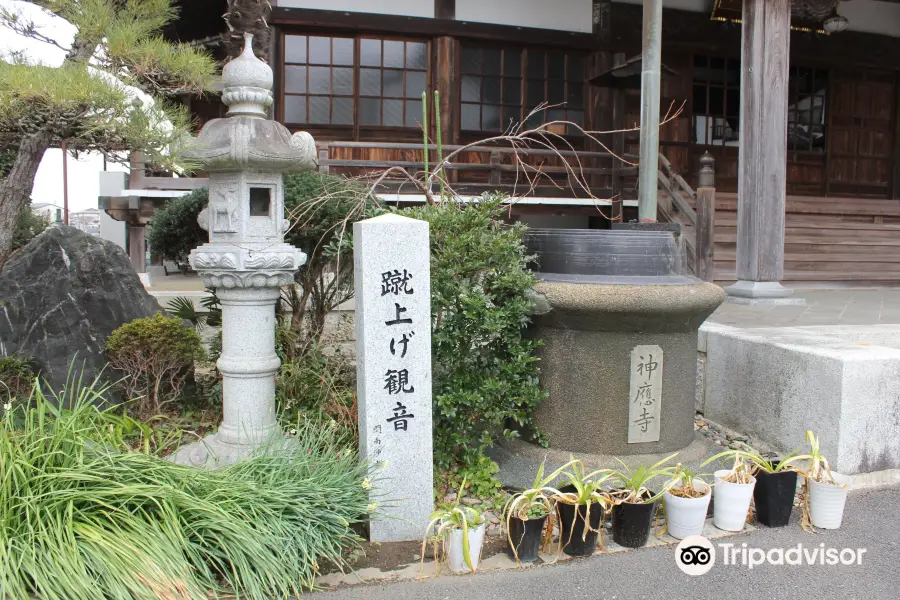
156,355
16,377
317,384
81,519
484,369
29,226
321,208
174,230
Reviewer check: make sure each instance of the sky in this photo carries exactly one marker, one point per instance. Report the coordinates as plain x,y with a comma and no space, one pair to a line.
83,173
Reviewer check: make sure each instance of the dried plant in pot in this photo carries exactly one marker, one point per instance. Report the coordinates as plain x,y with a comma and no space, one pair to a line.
733,491
686,503
776,486
526,515
458,530
633,501
826,490
581,506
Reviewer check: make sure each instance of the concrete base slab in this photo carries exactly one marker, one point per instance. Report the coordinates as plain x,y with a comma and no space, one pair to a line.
519,461
501,562
764,302
762,294
839,381
758,289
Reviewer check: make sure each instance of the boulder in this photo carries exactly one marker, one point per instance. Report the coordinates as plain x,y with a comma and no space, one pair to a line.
60,298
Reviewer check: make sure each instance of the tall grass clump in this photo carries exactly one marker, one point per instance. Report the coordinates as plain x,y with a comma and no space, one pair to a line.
83,519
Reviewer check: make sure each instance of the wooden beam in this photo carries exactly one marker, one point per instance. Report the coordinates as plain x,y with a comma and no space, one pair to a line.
763,140
310,19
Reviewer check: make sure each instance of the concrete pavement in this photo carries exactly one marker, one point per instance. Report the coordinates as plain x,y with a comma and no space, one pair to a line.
870,522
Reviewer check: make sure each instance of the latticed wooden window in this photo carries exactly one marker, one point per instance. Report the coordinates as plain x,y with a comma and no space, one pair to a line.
807,102
500,86
717,101
353,81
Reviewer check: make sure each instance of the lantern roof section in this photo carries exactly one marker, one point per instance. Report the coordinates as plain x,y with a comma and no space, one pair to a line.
245,139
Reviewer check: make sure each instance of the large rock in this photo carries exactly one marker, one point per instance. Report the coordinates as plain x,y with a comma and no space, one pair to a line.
60,298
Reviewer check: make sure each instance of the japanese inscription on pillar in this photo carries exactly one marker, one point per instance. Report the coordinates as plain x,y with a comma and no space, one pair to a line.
645,396
393,331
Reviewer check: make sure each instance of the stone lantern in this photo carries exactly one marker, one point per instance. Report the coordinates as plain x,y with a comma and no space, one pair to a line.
246,259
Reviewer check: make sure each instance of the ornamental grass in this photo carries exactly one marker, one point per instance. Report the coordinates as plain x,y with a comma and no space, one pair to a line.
82,518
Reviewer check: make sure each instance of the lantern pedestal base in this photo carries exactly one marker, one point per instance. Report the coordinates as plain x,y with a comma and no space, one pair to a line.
213,453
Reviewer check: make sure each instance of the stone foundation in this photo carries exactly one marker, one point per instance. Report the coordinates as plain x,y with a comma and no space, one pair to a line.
842,382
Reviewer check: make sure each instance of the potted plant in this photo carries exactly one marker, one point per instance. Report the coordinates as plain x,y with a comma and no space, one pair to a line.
826,490
733,492
461,529
686,503
776,485
581,505
526,515
634,502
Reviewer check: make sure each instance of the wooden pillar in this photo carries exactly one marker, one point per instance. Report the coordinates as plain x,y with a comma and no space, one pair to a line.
704,246
443,83
136,247
618,142
763,150
896,166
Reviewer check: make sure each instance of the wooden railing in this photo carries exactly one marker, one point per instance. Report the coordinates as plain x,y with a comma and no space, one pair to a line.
698,224
478,169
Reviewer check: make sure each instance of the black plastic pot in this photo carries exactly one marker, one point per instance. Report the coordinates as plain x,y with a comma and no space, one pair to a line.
631,523
526,536
774,497
571,526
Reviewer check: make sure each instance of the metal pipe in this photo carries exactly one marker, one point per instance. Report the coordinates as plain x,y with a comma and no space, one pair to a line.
650,91
65,156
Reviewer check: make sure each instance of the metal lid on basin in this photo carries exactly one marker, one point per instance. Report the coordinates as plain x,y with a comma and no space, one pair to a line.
607,256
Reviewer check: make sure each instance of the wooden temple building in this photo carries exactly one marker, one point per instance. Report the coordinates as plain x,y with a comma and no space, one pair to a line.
796,104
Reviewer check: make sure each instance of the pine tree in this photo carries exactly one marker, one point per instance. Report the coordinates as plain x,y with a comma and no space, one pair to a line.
86,101
250,16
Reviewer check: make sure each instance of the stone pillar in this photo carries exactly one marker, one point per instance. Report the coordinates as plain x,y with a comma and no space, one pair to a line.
248,364
137,250
393,369
763,152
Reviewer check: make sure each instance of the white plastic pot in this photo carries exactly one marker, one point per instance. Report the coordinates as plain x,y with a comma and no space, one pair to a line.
732,502
453,546
826,501
686,516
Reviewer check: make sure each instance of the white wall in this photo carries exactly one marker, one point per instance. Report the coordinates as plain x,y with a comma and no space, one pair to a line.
112,230
408,8
565,15
872,17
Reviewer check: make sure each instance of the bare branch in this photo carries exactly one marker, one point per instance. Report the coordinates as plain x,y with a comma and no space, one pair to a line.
17,22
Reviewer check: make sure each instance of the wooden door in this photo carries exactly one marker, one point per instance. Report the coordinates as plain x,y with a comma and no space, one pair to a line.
860,141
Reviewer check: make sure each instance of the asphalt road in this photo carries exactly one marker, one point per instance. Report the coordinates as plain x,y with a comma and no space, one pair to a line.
871,521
